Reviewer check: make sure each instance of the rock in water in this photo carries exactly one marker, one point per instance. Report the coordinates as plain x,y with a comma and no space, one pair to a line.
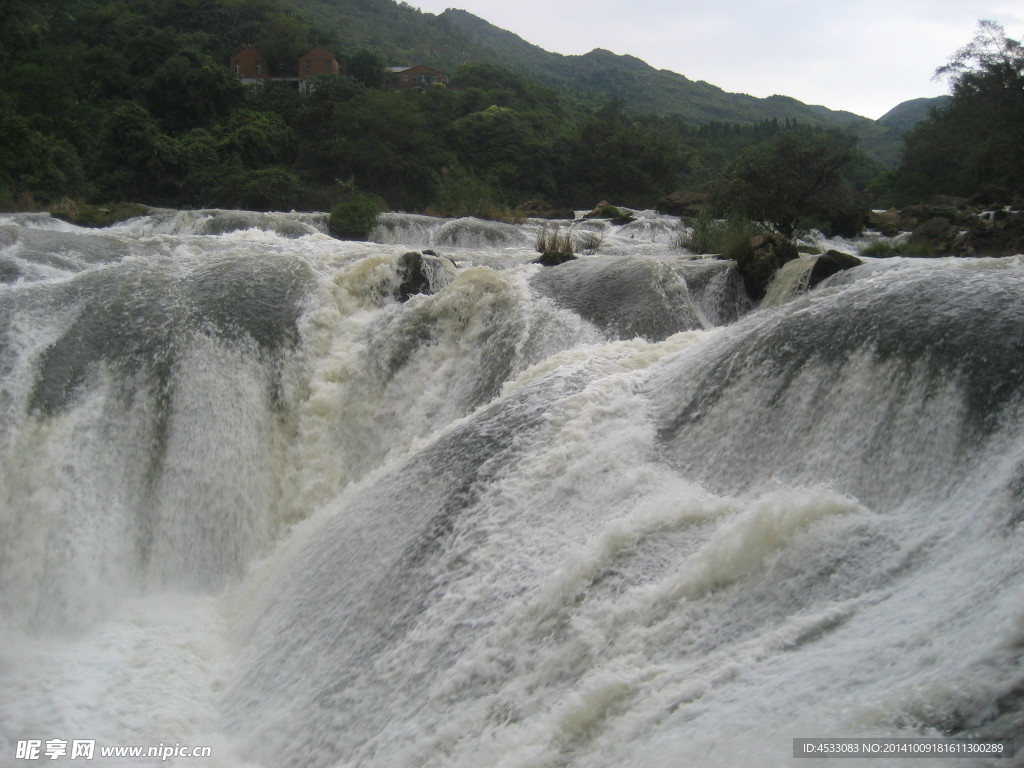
424,272
681,203
761,259
554,258
830,262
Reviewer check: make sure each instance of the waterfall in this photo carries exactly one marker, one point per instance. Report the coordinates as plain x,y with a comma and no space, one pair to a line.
257,495
789,282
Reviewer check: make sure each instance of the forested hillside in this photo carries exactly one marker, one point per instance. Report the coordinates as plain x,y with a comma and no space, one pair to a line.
405,35
134,100
905,116
104,100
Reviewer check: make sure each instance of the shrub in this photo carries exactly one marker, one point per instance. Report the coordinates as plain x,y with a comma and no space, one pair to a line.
554,246
607,211
727,237
355,218
880,248
589,243
85,215
465,194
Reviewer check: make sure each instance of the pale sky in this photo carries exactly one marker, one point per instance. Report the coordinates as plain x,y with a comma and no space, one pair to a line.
863,56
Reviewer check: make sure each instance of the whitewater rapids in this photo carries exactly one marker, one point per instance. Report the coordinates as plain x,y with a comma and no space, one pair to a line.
597,515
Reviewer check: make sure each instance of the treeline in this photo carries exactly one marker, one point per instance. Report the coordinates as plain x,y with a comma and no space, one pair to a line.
975,144
133,100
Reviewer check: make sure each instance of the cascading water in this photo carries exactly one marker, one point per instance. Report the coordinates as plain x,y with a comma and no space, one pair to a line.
600,514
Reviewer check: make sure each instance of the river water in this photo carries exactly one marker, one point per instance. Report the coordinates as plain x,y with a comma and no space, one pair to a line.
602,514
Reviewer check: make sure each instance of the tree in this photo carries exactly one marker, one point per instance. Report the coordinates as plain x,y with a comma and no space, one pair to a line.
500,144
190,89
257,139
381,142
35,164
366,67
621,158
975,141
790,180
136,158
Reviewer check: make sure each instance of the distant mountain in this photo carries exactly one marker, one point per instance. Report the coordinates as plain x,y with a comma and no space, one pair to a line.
905,116
601,74
406,35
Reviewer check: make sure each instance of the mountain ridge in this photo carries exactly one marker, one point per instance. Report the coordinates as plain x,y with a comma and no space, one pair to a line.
407,35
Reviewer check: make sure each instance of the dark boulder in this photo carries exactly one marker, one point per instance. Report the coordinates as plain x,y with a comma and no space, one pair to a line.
414,277
422,273
889,223
681,203
554,258
956,210
605,210
762,257
996,197
933,238
996,236
829,263
542,209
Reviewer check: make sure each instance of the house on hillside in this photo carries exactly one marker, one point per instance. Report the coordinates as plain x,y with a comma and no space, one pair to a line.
253,68
318,62
249,65
415,77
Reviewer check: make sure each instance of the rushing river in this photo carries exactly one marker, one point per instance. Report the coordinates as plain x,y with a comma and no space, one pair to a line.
598,515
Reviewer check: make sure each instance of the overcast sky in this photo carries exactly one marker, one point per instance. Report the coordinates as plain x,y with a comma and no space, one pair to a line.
864,56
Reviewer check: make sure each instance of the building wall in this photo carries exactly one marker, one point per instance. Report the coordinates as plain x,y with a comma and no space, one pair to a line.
317,62
419,77
249,64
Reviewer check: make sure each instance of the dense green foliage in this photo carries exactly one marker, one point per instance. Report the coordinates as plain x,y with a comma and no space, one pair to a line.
354,218
798,178
134,100
976,140
727,236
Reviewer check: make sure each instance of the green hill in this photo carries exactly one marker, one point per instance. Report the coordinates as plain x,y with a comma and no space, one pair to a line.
905,116
133,100
406,35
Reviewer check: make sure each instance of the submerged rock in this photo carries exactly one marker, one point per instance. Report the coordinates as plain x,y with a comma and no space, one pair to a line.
95,216
630,297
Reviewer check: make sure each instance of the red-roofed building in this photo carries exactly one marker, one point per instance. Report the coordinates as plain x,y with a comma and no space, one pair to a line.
416,77
318,62
249,65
